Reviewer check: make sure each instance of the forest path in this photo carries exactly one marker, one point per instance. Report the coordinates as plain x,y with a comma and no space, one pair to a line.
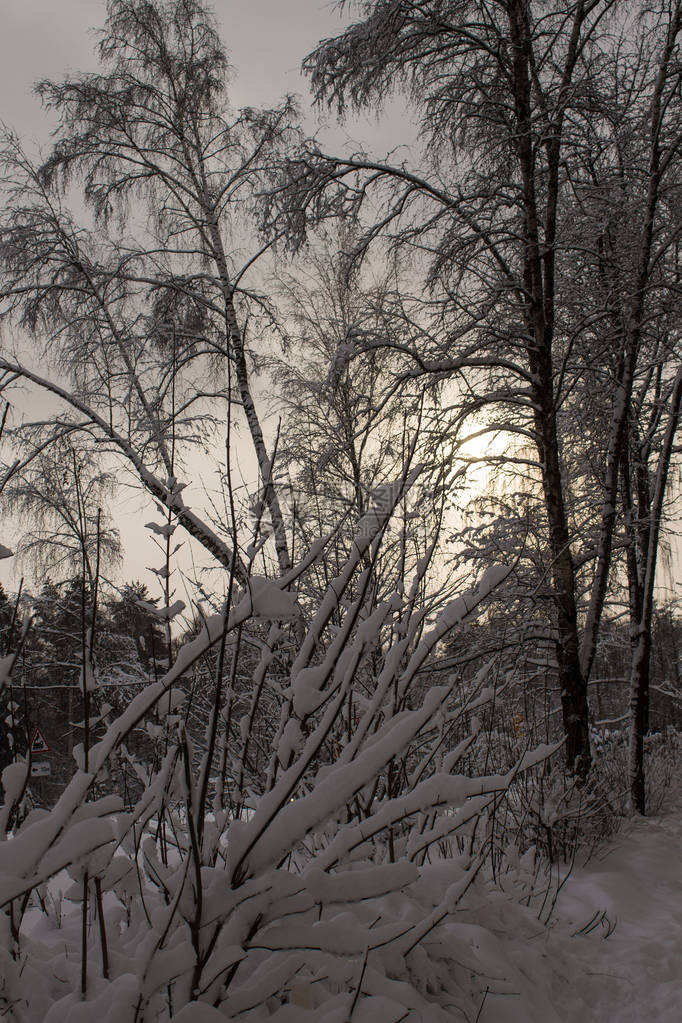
635,974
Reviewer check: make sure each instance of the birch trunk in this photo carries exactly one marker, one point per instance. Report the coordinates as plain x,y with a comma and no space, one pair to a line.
238,355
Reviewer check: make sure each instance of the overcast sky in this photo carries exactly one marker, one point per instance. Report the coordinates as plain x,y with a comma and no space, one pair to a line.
266,39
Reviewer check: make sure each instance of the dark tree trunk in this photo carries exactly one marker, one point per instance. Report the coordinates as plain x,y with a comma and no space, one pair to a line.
572,683
639,717
642,574
539,286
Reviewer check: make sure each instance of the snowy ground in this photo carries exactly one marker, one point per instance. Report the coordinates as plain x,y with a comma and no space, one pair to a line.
612,952
632,976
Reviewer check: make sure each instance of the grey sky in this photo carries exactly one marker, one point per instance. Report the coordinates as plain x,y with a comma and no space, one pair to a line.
267,39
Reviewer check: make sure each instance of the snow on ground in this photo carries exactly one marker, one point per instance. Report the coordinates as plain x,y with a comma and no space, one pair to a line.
613,950
635,974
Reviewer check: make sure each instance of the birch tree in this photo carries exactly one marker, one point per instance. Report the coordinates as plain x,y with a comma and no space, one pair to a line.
145,315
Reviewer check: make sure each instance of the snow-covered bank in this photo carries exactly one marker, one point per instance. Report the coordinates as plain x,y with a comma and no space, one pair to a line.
612,952
634,974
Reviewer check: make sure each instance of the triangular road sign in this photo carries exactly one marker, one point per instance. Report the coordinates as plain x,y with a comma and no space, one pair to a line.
39,743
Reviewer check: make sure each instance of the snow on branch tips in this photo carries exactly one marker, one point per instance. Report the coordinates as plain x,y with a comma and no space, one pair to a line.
313,832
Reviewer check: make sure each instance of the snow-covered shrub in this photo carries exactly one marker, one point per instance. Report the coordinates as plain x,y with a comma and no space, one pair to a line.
562,819
663,752
316,878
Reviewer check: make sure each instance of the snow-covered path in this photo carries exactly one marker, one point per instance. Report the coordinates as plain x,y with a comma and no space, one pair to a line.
634,975
626,969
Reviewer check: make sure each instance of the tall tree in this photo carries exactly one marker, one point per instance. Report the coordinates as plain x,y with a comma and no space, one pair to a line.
138,312
625,228
506,95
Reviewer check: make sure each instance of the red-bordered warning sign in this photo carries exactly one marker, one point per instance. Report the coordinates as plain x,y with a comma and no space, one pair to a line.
39,742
